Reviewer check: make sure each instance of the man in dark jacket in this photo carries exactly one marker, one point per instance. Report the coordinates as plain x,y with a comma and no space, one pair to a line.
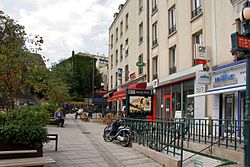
59,116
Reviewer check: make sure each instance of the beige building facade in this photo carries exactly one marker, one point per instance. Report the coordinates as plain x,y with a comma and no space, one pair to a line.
173,33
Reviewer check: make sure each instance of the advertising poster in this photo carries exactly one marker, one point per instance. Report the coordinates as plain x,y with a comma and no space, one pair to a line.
140,105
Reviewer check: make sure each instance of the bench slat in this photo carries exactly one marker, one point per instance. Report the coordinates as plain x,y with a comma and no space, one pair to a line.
17,162
18,152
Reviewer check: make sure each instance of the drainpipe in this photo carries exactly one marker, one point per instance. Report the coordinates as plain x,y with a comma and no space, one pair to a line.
148,56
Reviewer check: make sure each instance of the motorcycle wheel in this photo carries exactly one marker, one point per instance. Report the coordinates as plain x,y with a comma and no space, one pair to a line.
106,136
126,140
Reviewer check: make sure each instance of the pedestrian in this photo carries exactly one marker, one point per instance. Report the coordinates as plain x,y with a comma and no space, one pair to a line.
79,112
59,116
124,111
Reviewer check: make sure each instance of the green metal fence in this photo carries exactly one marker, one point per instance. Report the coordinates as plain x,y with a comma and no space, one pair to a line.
162,136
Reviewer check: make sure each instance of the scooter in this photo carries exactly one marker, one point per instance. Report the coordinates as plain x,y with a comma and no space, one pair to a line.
116,132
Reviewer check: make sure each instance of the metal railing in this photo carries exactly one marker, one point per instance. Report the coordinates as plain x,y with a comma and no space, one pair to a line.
172,29
197,11
160,135
168,136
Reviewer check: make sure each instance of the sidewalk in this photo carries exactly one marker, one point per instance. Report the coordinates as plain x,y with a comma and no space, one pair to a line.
81,144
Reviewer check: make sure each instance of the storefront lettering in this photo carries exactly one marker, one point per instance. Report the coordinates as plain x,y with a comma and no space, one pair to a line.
225,79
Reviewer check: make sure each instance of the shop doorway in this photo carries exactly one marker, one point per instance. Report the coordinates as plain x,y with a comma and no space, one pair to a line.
229,107
167,108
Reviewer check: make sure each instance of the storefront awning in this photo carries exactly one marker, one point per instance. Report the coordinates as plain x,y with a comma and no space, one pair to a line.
220,90
121,95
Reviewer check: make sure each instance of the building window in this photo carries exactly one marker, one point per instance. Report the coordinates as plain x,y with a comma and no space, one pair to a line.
196,8
172,20
111,42
141,32
126,73
111,61
116,79
121,52
116,35
126,22
126,47
140,5
154,5
172,60
111,81
140,59
121,28
154,34
155,68
197,39
116,57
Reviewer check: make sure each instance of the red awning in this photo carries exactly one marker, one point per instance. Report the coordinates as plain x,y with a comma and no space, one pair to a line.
121,95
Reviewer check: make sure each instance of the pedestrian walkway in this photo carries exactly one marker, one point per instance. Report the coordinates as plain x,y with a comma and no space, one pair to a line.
81,144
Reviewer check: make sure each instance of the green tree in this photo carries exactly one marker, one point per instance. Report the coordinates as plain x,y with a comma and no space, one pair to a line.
22,71
78,72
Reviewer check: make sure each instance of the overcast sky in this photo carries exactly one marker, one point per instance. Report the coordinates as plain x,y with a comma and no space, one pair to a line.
65,25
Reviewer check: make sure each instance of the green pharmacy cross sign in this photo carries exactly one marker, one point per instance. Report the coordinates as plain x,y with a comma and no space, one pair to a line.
240,43
140,64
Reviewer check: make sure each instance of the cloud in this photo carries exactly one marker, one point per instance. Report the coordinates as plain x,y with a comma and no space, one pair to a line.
65,25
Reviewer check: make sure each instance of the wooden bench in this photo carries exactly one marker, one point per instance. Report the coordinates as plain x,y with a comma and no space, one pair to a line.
55,138
17,162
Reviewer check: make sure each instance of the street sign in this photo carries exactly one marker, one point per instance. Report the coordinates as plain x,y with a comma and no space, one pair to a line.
240,43
140,64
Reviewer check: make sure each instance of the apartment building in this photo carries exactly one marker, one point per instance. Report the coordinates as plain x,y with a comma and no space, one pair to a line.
128,44
189,65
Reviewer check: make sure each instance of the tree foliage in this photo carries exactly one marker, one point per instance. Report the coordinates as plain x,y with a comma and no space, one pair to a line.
22,71
78,72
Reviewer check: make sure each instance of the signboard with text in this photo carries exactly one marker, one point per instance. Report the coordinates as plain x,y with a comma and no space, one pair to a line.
139,103
229,77
240,43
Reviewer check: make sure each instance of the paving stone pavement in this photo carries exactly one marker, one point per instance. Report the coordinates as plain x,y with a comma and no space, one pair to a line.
81,145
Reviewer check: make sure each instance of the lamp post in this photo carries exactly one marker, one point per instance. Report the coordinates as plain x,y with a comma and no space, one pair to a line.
245,18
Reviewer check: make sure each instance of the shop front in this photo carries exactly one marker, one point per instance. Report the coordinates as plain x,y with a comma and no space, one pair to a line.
228,93
171,96
229,87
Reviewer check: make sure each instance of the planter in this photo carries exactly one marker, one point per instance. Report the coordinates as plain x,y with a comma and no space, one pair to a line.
13,147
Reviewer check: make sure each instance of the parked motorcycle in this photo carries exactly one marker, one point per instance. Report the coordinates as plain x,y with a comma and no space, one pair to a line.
116,132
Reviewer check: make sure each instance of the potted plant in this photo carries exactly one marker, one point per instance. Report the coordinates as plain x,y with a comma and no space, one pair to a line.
23,129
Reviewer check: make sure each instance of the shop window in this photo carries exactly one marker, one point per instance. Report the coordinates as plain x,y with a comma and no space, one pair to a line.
176,98
188,103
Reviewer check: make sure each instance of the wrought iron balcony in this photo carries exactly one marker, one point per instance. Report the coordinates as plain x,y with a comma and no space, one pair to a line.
172,29
197,11
154,42
172,70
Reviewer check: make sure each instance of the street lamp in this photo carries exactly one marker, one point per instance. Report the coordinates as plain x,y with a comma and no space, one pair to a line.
245,18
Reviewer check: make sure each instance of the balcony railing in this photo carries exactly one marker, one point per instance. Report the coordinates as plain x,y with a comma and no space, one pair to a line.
172,70
197,11
140,39
154,42
154,9
172,29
